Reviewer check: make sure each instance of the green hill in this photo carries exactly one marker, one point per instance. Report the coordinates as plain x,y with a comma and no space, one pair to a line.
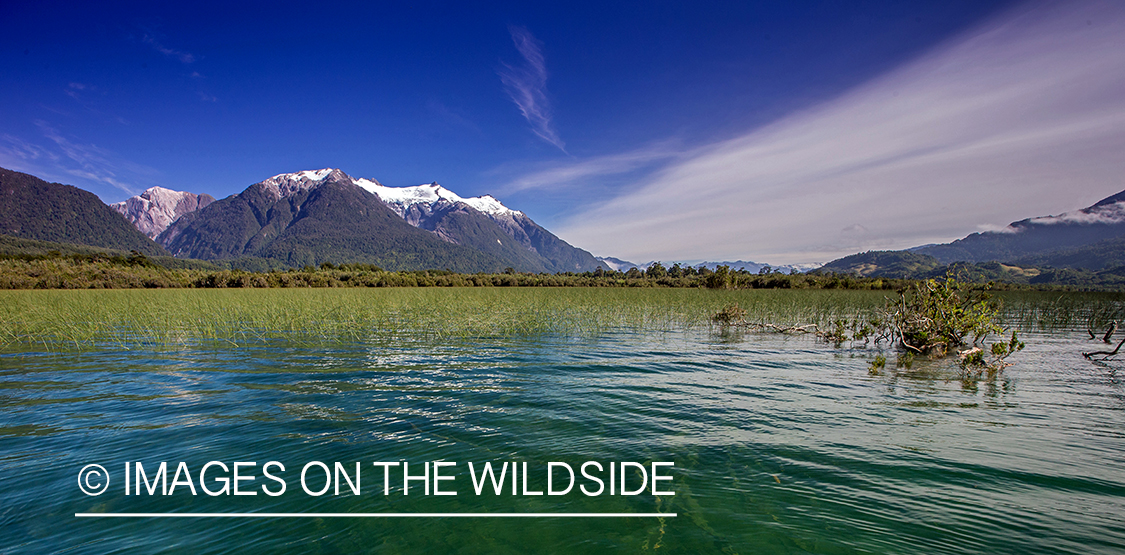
890,264
20,248
31,208
1039,238
1098,256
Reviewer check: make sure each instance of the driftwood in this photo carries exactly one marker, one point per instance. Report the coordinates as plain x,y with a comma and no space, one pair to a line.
810,328
1108,333
1107,354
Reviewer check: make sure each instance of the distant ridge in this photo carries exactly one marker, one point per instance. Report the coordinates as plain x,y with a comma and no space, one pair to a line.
624,265
1038,236
1092,238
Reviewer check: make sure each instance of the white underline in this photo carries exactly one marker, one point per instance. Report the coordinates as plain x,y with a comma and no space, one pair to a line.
374,515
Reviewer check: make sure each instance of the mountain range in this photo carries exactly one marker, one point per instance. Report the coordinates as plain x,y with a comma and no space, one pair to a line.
753,267
1092,238
312,217
482,223
297,219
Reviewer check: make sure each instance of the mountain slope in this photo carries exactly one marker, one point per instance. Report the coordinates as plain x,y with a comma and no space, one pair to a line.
31,208
1101,255
485,224
314,217
1084,248
1038,236
155,209
889,264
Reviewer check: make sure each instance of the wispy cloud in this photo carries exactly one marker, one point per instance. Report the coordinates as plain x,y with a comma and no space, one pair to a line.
571,172
1023,115
63,159
92,162
75,90
526,84
184,57
17,150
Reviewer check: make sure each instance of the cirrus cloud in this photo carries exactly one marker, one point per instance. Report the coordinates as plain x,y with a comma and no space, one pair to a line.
1023,115
526,84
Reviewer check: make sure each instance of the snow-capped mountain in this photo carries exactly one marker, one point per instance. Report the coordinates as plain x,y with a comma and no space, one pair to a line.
155,209
287,184
275,208
309,218
410,202
624,265
461,220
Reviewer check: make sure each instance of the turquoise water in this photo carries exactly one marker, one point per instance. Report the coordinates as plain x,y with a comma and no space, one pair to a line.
780,445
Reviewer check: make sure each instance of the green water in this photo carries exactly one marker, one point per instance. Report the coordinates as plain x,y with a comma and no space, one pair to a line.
780,444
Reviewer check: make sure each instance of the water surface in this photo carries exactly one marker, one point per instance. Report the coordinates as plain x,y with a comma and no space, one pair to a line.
780,444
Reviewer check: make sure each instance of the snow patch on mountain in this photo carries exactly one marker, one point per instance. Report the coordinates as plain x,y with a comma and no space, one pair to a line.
402,199
155,209
620,265
287,184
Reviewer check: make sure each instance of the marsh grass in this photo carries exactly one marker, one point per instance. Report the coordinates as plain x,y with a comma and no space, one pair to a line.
69,319
1047,311
79,319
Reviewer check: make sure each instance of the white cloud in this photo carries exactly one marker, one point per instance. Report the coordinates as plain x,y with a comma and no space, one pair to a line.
526,84
184,57
1024,115
569,172
1107,214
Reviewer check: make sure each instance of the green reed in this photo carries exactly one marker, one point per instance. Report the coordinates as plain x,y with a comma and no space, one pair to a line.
67,319
1047,311
81,318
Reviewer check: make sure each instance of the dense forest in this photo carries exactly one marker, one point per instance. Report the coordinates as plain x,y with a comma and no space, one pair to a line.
83,268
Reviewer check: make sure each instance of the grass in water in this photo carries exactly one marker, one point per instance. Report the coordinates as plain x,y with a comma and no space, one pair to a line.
62,319
77,319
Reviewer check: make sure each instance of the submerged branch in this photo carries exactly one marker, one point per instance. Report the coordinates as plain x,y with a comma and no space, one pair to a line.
1107,354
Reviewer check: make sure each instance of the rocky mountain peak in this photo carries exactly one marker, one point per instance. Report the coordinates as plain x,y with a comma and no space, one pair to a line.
155,209
287,184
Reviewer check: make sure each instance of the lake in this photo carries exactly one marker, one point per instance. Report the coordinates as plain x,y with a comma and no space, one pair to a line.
777,444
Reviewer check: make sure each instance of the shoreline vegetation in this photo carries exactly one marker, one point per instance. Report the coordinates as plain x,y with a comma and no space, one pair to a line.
388,318
89,269
58,296
932,317
384,317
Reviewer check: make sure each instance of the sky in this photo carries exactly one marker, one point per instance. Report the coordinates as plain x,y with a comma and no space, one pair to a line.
779,132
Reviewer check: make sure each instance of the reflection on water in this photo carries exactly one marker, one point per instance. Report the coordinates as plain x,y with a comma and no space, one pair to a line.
781,444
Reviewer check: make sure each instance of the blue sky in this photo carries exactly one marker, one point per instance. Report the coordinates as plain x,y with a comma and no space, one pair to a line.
782,132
